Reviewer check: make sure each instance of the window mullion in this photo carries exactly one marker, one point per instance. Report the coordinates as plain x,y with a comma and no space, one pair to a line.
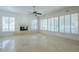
58,24
70,24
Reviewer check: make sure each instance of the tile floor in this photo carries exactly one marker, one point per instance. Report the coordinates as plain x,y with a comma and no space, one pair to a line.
37,43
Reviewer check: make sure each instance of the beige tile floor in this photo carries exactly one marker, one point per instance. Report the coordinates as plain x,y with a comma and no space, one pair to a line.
37,43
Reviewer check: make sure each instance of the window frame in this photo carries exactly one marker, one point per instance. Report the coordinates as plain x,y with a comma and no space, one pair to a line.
8,18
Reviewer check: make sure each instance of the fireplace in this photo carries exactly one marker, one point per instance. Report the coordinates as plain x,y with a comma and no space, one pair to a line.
23,28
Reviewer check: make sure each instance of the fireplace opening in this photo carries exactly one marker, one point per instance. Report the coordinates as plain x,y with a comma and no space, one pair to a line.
23,28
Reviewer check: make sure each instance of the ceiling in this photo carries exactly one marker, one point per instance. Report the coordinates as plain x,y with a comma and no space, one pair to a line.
29,9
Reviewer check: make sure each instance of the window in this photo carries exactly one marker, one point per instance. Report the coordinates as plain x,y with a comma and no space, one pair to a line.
61,24
56,24
67,23
5,25
43,24
52,24
74,23
34,25
8,24
12,24
49,24
41,28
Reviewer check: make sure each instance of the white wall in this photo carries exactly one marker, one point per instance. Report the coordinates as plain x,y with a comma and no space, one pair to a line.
19,20
59,13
